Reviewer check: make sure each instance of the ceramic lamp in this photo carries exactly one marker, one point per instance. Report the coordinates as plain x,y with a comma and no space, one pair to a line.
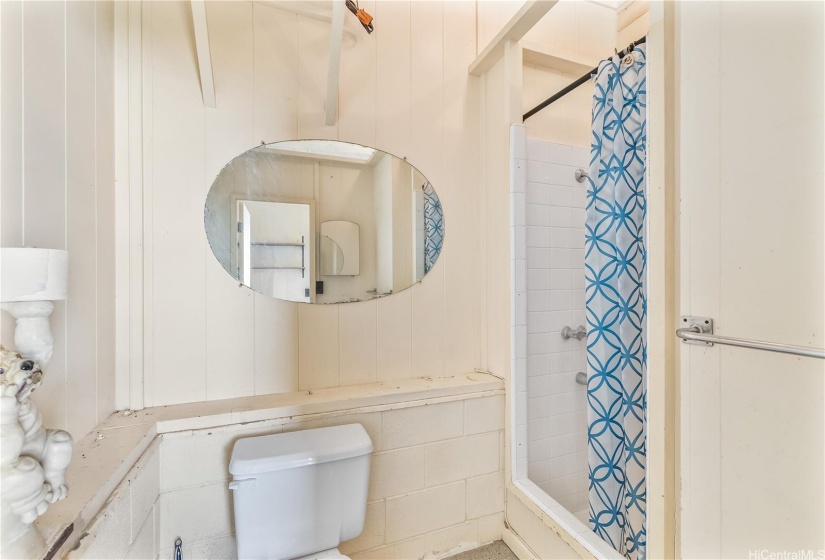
30,280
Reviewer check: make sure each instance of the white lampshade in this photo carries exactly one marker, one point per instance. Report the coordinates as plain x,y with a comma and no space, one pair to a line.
31,274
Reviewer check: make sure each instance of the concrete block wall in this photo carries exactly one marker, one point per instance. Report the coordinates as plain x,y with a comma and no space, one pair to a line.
436,480
127,525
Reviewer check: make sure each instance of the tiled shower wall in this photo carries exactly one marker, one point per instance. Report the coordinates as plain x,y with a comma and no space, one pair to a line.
553,431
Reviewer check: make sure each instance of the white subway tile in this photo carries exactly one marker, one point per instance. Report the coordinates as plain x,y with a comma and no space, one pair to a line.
580,157
422,424
538,300
538,257
425,511
537,343
561,154
538,407
561,300
566,444
540,215
562,278
560,319
540,449
485,414
538,322
561,195
538,150
561,258
539,193
562,382
485,495
539,471
450,461
562,238
538,236
579,196
538,386
538,279
559,217
562,175
538,172
537,430
538,365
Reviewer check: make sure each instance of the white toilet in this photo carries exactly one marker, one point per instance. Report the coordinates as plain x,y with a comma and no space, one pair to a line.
298,495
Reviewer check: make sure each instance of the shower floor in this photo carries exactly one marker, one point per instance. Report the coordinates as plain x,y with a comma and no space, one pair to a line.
582,516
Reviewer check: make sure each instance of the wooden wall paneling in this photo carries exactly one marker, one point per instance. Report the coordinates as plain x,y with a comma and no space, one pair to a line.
275,102
457,189
178,253
427,154
105,201
358,332
230,130
313,57
11,127
44,171
11,138
81,215
392,134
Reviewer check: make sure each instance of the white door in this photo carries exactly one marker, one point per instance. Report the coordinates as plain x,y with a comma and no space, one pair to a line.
750,176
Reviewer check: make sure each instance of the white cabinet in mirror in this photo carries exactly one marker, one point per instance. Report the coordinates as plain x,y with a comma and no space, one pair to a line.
322,221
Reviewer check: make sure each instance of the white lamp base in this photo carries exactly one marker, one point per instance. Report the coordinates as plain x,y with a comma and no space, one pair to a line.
32,336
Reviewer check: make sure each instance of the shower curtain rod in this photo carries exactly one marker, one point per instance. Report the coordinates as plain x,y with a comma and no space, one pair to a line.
558,95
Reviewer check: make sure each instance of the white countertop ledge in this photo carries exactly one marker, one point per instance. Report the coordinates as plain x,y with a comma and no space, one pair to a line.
103,458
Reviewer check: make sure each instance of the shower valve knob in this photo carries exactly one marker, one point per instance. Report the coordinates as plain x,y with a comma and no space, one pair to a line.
579,333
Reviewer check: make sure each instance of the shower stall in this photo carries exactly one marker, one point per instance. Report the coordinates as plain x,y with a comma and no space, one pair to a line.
578,268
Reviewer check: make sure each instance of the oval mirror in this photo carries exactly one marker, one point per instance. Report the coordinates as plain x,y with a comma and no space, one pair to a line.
321,221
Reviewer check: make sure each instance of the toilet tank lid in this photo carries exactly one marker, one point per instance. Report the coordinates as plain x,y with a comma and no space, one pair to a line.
291,450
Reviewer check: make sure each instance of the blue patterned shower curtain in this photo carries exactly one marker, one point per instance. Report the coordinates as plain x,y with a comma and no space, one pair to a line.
433,227
615,261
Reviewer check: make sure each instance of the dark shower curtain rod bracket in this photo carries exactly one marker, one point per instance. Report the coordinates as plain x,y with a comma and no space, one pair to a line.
584,79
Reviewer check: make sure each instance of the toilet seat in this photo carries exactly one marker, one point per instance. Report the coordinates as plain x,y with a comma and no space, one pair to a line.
331,554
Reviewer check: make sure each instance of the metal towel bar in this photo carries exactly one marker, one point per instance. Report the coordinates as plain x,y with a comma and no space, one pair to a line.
699,330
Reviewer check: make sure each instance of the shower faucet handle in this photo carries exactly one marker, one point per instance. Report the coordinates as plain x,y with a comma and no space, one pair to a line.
579,333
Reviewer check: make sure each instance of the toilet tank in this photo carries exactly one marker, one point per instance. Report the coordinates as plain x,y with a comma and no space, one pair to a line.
298,493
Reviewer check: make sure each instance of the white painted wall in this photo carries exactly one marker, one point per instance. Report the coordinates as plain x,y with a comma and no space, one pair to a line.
58,190
556,405
750,176
580,31
404,89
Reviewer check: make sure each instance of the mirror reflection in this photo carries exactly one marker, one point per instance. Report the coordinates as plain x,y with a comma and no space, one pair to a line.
322,221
